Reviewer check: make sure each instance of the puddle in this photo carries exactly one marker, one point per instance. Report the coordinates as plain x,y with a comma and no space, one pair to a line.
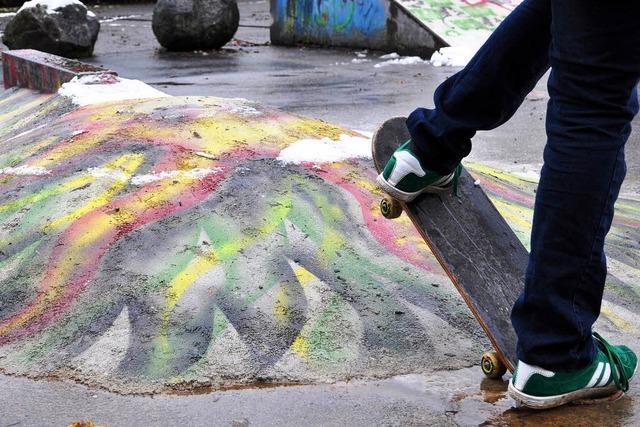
470,399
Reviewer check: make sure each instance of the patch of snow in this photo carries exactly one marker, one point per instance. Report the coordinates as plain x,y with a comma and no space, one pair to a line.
362,53
116,174
393,55
403,60
24,170
7,14
454,56
359,60
460,53
197,173
326,150
51,5
98,88
120,18
243,110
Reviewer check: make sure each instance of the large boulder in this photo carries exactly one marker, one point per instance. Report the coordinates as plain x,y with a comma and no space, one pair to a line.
182,25
61,27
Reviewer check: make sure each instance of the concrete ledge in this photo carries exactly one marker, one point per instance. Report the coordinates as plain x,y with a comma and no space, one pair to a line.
42,71
375,24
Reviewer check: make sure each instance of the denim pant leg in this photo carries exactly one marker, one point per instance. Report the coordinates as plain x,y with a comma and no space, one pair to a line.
595,60
488,91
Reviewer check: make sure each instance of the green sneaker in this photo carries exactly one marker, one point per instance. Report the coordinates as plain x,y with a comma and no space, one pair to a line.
610,372
404,177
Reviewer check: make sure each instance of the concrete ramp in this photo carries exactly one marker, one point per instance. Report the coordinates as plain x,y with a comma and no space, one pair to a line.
411,27
373,24
164,244
460,22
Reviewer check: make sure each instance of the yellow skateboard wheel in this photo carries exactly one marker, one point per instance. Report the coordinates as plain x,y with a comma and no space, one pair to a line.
492,366
390,208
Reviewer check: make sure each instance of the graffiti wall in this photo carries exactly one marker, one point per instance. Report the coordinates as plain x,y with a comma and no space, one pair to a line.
156,245
325,18
461,22
375,24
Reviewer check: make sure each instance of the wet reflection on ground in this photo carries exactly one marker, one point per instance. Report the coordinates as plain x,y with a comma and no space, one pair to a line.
469,399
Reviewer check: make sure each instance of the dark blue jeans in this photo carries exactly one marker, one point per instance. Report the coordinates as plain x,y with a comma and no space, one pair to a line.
593,49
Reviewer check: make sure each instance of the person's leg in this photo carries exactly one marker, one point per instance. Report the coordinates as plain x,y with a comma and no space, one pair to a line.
485,94
595,60
488,91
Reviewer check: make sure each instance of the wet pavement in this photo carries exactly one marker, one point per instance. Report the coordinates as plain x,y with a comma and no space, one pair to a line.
443,398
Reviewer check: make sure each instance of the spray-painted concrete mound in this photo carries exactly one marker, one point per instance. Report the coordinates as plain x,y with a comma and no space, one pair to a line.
149,245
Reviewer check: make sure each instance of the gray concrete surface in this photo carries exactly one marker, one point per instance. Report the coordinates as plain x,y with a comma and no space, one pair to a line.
447,398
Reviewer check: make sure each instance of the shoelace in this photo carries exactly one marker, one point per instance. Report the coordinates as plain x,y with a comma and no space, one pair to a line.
619,376
456,180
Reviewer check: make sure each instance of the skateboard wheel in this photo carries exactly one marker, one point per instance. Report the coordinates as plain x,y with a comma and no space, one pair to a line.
492,366
390,208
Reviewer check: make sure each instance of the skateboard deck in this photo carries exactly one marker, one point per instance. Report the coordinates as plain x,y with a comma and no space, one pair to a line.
472,242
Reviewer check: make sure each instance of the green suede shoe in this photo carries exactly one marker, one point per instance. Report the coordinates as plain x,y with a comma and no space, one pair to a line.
610,372
404,177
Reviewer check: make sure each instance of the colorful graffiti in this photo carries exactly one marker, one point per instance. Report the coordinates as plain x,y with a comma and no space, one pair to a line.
326,18
461,22
155,245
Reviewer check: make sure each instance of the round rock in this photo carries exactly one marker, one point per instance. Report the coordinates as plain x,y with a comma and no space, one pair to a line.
182,25
61,27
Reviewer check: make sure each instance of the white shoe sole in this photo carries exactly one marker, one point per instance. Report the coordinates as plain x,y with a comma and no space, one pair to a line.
546,402
404,196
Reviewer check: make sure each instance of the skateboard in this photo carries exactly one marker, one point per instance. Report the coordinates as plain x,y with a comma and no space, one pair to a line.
474,245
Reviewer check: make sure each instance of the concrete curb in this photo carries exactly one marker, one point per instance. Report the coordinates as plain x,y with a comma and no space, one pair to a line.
41,71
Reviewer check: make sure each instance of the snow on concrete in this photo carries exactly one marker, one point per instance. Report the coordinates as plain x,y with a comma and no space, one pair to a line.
326,150
24,170
395,59
197,173
99,88
393,55
51,5
460,54
120,18
115,174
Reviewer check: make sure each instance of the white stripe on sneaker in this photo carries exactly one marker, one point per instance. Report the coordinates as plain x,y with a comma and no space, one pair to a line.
605,377
526,371
405,164
596,375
